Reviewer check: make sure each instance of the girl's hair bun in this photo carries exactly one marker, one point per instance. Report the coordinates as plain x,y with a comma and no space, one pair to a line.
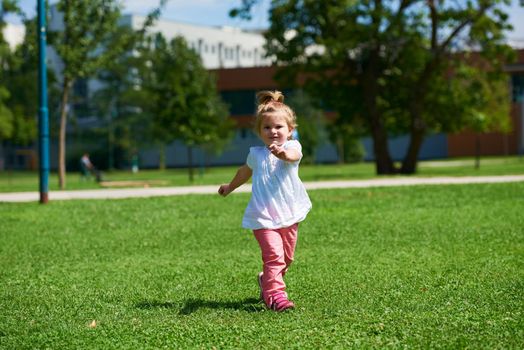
265,97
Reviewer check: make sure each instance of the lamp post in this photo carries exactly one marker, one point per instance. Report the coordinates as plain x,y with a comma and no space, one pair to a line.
43,119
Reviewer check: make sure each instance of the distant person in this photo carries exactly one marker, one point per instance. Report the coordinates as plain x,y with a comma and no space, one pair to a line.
134,163
279,200
87,168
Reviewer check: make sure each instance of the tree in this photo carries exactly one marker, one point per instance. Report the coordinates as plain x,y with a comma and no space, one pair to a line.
85,45
6,114
389,66
18,76
21,78
89,41
181,97
478,120
119,101
310,123
347,137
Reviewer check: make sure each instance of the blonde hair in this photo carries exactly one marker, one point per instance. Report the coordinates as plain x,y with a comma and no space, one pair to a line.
270,102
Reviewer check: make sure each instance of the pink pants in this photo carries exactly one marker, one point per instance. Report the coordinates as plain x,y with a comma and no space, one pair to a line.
278,249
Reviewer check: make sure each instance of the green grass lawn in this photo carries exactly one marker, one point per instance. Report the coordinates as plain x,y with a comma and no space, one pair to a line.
28,181
403,267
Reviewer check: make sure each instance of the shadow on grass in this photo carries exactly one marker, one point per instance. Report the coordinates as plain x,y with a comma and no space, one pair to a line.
155,304
249,305
192,305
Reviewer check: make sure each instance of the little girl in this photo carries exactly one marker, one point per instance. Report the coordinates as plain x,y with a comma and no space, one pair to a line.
278,200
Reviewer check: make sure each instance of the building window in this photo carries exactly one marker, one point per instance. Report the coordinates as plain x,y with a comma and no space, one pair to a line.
81,95
517,87
241,102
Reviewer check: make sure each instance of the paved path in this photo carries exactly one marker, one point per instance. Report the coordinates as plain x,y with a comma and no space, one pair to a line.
174,191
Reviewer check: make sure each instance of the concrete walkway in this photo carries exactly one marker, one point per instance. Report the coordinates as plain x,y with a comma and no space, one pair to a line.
174,191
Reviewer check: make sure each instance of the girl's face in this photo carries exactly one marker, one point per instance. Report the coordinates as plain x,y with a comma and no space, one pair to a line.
274,129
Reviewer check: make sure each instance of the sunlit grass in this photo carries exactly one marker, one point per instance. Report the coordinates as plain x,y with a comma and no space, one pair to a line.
28,181
405,267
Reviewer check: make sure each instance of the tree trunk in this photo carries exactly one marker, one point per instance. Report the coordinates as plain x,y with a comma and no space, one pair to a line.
162,157
409,164
383,162
418,125
62,136
110,142
506,144
340,148
190,163
477,151
7,167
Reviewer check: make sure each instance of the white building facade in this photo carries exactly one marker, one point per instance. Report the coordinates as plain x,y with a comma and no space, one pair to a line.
219,47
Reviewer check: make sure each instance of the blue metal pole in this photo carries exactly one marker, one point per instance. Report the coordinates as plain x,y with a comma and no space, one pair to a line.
43,118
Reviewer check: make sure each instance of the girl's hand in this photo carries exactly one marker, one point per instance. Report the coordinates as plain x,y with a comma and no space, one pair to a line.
224,190
278,151
243,174
289,155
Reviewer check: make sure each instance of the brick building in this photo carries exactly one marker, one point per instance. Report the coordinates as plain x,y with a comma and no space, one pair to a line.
239,85
238,59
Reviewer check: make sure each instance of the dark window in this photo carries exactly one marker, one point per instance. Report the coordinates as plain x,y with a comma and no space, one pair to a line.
244,102
80,88
517,85
80,101
241,102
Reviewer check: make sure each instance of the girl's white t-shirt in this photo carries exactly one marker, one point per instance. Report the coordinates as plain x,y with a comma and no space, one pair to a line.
278,198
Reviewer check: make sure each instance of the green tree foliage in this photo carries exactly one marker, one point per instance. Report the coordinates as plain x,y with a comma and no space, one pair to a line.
484,115
310,121
19,96
87,43
346,137
90,40
393,67
21,80
119,100
6,114
181,97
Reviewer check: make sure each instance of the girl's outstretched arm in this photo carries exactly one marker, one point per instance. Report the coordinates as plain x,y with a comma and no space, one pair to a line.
243,174
289,155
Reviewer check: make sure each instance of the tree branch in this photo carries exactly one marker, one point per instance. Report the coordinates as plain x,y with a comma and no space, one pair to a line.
434,24
404,4
481,11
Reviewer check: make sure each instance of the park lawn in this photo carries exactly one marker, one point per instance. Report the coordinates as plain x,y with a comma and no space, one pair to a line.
28,181
399,267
